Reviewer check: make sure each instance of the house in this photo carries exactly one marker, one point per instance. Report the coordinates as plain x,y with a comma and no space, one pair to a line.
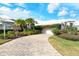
62,22
67,23
45,26
46,29
76,24
71,23
6,21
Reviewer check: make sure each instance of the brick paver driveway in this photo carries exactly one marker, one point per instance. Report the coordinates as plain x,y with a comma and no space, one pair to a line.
34,45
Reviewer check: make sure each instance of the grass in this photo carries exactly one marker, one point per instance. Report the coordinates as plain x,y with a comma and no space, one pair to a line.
2,41
65,47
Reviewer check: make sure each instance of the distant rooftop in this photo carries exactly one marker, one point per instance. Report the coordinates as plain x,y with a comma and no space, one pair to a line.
50,22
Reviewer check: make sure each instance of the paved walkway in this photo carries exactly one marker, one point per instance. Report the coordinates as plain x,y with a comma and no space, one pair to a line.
34,45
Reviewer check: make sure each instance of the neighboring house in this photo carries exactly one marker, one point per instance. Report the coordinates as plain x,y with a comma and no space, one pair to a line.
67,23
77,24
74,23
7,21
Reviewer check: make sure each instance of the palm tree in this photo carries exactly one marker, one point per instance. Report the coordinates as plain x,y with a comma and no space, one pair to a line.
20,23
30,23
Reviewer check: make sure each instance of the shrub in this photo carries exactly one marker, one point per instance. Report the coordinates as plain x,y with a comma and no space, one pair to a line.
56,31
63,31
2,36
8,35
17,33
11,34
72,30
69,36
26,32
23,33
56,26
30,32
39,28
35,32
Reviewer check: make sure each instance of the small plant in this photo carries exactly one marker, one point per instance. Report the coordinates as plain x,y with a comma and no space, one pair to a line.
17,33
30,32
72,30
1,36
63,31
56,31
11,34
23,33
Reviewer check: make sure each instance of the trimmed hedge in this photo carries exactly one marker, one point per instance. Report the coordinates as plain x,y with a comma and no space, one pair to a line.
69,36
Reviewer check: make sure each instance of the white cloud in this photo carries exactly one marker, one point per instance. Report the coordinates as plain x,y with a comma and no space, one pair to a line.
4,10
16,13
52,7
73,13
75,5
63,12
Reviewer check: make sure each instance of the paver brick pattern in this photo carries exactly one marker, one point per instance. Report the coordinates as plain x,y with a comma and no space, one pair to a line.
33,45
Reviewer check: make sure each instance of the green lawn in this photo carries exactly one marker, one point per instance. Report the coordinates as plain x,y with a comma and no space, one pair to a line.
65,47
2,41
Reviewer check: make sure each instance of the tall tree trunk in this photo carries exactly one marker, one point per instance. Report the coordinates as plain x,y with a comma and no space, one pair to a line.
21,27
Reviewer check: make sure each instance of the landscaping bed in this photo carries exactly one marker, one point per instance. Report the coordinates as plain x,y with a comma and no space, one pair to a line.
65,40
13,35
69,32
69,36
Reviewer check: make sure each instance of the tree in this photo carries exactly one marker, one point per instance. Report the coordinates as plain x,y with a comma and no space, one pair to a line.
20,23
30,23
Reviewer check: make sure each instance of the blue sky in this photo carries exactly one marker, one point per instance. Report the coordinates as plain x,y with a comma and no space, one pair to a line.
41,11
